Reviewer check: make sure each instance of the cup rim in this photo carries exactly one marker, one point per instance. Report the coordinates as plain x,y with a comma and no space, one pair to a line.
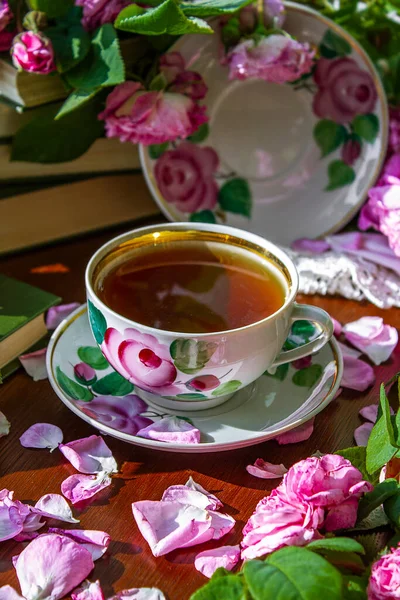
189,226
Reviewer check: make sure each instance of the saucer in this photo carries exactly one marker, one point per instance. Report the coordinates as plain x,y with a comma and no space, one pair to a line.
270,164
272,405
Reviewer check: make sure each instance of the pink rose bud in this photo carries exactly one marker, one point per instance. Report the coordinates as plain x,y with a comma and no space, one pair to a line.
33,52
351,150
5,14
84,373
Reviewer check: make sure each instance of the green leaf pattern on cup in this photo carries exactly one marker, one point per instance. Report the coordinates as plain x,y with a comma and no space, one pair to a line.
71,388
92,356
190,356
113,384
308,377
97,321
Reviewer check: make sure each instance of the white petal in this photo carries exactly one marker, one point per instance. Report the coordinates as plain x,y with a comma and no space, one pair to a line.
34,364
54,506
4,425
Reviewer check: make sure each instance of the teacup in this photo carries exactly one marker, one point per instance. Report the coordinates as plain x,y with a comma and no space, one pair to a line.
184,371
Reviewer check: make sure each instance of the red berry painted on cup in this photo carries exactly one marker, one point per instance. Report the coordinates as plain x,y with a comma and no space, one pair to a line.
203,383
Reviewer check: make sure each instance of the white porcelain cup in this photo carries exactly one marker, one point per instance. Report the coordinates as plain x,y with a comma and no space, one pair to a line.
196,371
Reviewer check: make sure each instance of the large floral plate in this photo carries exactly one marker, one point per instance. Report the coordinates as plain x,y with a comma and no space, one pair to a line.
276,403
282,160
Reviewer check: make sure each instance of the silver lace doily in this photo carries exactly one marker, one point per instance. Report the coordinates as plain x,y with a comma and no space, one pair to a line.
348,276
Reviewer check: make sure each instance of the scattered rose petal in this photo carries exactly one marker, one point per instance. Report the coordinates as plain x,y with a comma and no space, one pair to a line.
357,374
51,566
337,327
11,522
88,591
54,506
4,425
57,314
167,526
42,435
90,455
347,351
266,470
215,503
313,246
362,433
221,524
186,495
95,541
209,561
139,594
53,268
372,337
370,412
300,434
8,593
81,487
34,364
171,429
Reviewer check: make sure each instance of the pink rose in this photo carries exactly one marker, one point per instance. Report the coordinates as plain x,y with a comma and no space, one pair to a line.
180,81
275,58
185,177
33,52
384,581
137,116
6,15
345,90
99,12
140,358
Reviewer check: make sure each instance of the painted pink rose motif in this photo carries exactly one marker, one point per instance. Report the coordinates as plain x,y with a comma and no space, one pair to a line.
345,90
122,413
140,358
185,177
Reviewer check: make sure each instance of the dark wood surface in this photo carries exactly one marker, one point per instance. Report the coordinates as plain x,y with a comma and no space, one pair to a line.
145,473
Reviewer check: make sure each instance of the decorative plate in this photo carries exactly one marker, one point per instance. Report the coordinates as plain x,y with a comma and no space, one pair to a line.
85,382
289,161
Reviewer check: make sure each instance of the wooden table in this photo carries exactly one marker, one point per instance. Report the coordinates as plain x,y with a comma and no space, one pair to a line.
146,473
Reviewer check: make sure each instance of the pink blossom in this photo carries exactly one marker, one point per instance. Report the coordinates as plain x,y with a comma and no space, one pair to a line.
88,591
33,52
42,435
99,12
171,429
351,150
90,455
4,425
140,358
180,81
34,364
171,65
209,561
185,177
362,433
275,58
266,470
384,581
121,413
313,246
372,337
57,314
299,434
394,130
357,374
6,16
135,115
94,541
82,487
345,90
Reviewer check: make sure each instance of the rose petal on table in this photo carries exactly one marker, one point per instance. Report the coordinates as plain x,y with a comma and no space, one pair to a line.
266,470
337,327
357,374
362,433
95,541
139,594
347,351
54,506
26,537
57,314
51,566
185,495
11,522
53,268
88,591
4,425
300,434
32,522
209,561
221,524
313,246
372,337
171,429
370,412
167,526
34,364
81,487
8,593
42,435
214,501
90,455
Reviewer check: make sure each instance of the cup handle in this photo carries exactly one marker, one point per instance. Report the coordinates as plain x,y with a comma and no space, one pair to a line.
309,313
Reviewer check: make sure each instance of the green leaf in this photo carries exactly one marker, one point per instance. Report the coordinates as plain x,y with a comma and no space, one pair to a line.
71,45
301,332
200,135
280,372
230,587
165,18
92,356
75,100
204,216
392,508
294,573
71,388
366,126
52,8
307,377
355,587
113,385
339,175
380,447
98,322
371,500
357,455
192,396
333,45
209,8
156,150
227,388
329,136
235,196
44,140
191,356
220,572
336,544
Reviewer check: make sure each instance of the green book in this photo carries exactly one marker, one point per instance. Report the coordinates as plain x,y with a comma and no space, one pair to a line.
22,324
